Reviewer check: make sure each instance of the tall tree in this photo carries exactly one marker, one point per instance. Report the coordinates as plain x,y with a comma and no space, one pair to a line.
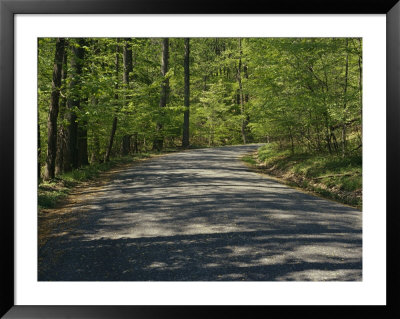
82,142
127,59
95,89
39,176
53,110
115,119
360,85
305,94
71,160
62,128
186,102
346,75
159,139
241,95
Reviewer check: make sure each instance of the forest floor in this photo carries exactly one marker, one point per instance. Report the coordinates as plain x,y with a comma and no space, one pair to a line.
193,216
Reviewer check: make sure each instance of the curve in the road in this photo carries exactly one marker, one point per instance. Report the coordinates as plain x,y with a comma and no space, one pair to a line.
202,215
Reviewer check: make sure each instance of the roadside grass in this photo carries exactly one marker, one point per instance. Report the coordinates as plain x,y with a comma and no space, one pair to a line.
249,159
330,176
52,192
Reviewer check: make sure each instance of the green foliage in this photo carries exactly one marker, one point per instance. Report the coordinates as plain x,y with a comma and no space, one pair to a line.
249,159
302,94
49,193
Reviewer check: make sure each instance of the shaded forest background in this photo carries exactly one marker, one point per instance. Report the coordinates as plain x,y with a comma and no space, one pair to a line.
100,98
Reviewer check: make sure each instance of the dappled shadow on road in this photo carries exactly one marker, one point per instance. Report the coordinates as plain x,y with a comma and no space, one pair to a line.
259,255
193,217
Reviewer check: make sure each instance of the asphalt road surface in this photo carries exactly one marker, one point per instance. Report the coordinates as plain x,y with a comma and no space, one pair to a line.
202,215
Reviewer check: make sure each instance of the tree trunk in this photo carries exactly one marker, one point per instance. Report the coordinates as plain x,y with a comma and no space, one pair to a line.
360,84
246,76
70,159
72,156
327,134
53,110
96,150
115,119
291,140
126,145
159,139
345,101
135,143
111,140
127,60
186,102
63,106
241,95
335,144
82,144
82,152
39,149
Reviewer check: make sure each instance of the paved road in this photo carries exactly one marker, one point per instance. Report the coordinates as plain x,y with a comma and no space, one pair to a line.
203,215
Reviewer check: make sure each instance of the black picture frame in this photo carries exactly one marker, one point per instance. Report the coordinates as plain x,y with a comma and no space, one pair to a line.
8,8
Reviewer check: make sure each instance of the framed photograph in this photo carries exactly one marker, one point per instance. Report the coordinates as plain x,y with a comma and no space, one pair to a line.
343,258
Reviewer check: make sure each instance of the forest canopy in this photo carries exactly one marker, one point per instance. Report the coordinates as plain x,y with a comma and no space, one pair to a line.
106,97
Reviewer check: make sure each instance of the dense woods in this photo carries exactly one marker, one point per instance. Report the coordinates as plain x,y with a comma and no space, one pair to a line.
100,98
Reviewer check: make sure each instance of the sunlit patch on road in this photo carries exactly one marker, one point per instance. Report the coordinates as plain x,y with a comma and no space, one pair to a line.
202,215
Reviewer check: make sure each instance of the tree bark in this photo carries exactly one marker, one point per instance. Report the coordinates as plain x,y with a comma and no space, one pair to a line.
115,119
126,144
246,76
345,101
135,143
328,133
159,139
360,84
111,140
53,110
241,95
96,149
82,144
186,102
63,106
73,102
127,60
39,149
291,140
128,67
